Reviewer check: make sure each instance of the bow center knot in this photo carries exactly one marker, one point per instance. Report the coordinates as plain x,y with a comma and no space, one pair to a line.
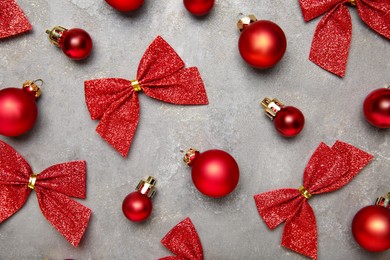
136,86
352,2
32,180
305,193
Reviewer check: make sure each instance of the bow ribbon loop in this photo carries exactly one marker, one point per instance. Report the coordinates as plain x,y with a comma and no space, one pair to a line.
329,169
161,75
184,242
332,38
53,187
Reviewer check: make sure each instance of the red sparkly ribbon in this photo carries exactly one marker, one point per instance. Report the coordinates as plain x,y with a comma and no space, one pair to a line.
12,19
53,187
329,169
332,37
184,242
160,75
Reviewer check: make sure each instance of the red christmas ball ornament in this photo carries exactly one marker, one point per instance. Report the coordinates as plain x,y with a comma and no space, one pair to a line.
199,7
376,108
75,43
137,206
288,120
125,5
215,173
262,43
18,109
371,226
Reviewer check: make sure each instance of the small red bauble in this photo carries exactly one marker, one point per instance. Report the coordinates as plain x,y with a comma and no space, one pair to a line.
75,43
137,206
371,226
215,173
125,5
288,120
199,7
376,108
18,109
262,44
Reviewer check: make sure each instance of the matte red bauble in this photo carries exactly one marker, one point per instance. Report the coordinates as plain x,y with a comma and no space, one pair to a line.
288,120
215,173
75,43
371,226
125,5
376,108
137,206
18,109
199,7
262,43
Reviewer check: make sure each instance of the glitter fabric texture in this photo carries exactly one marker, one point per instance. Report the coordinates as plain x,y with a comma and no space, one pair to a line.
184,242
12,19
332,38
53,187
329,169
161,75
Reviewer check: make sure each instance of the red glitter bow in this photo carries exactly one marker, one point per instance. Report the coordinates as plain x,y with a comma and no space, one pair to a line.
333,34
329,169
160,75
184,242
53,187
12,19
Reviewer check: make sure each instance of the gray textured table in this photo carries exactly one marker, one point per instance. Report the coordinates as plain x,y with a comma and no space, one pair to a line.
230,228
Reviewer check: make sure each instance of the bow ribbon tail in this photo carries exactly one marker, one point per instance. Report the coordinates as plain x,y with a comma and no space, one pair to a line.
12,199
332,39
12,19
184,87
376,14
69,217
14,176
183,241
119,123
300,231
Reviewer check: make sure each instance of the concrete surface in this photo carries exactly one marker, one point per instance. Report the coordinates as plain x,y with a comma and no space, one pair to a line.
229,228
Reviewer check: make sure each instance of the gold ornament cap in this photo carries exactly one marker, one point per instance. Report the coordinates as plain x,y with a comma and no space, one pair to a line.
147,187
33,87
271,107
245,21
55,34
190,156
383,201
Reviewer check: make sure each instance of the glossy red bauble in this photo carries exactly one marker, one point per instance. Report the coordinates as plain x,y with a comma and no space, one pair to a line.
18,111
137,206
199,7
289,121
262,44
215,173
376,108
76,44
125,5
371,228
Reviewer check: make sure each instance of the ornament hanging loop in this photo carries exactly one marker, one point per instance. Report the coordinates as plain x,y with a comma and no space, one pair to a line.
383,201
147,187
55,34
271,107
352,2
245,21
33,88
